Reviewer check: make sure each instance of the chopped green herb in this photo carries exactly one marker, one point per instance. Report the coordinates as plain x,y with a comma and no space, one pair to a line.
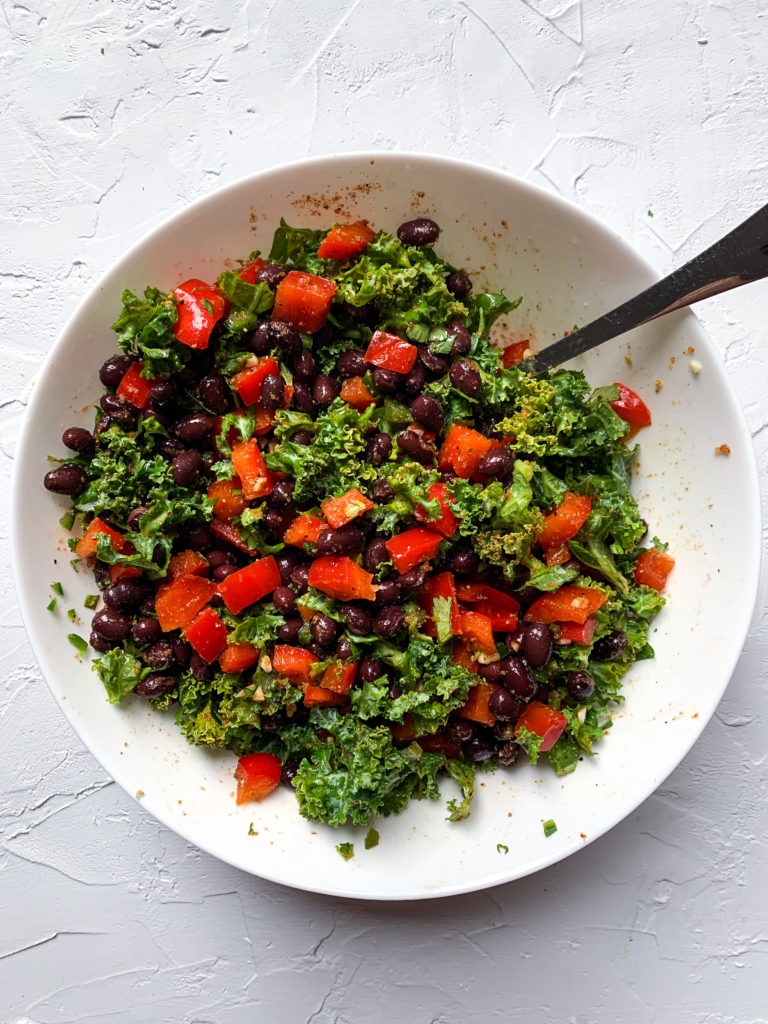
91,601
251,831
502,848
68,520
371,839
71,614
51,606
346,850
549,828
57,589
650,213
77,642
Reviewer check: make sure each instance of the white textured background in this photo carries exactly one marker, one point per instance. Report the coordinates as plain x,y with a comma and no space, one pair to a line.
118,113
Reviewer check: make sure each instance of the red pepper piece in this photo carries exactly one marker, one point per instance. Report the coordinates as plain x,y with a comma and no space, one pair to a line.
318,696
471,592
304,529
566,521
462,450
303,300
207,634
178,602
652,568
414,546
579,634
249,465
356,394
542,720
632,409
477,631
447,523
463,656
443,586
248,585
294,663
515,353
345,240
341,578
228,498
339,511
500,608
568,604
391,353
404,731
250,269
122,572
476,706
86,546
238,657
558,556
135,388
247,383
229,532
339,677
187,563
199,308
256,775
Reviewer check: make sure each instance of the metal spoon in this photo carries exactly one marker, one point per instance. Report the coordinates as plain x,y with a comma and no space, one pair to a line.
738,258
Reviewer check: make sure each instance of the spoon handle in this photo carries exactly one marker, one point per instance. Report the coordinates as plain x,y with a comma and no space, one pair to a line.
738,258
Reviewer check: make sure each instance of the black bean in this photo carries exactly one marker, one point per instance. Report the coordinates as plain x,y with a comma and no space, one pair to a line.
300,578
420,231
111,624
581,685
214,393
323,629
98,643
479,749
366,314
289,772
119,410
459,729
78,439
317,649
302,437
503,705
386,381
412,580
462,339
347,540
282,493
492,672
302,401
440,742
518,678
507,754
369,670
186,468
260,342
147,606
378,449
527,595
182,650
459,284
218,557
146,630
113,370
199,538
435,365
428,411
101,575
272,723
416,446
221,572
537,644
610,647
304,365
160,394
285,336
324,389
158,655
344,648
284,599
514,640
504,731
194,429
289,632
271,275
357,619
277,520
389,592
125,594
414,381
170,447
199,667
375,553
155,685
487,427
286,563
389,621
464,562
465,377
272,392
382,491
351,364
496,462
66,479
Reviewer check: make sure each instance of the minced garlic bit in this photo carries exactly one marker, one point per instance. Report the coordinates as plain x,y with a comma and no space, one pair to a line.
258,694
266,663
696,367
659,385
722,449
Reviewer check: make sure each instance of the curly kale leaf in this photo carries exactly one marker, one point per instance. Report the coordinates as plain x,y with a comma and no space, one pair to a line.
119,671
145,329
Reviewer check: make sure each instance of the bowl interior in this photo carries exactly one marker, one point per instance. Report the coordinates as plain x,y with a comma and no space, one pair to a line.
568,269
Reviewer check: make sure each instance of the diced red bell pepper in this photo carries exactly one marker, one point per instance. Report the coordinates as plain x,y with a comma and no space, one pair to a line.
543,721
122,572
256,775
345,240
341,578
318,696
559,556
477,631
135,388
414,546
515,353
443,586
471,592
250,269
304,300
238,657
476,706
295,663
447,523
263,420
304,529
403,732
652,568
568,604
305,612
500,608
228,498
463,656
249,465
199,308
356,394
342,510
247,383
248,585
207,634
178,602
187,563
566,521
632,409
579,634
391,353
86,546
339,677
462,450
228,532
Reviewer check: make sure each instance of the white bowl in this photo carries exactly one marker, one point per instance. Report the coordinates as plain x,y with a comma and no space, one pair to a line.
569,268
